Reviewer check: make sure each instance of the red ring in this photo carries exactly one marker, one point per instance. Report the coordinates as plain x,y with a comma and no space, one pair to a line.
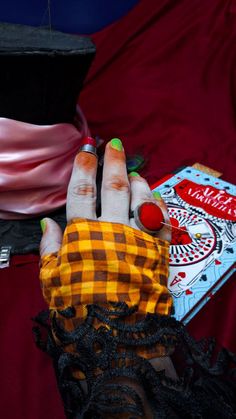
150,216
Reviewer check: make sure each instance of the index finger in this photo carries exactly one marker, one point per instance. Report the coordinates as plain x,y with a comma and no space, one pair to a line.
82,192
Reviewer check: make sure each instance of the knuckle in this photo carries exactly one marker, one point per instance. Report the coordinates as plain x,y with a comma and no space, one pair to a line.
118,184
83,189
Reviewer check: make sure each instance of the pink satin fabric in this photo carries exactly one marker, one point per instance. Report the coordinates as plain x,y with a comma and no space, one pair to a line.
35,166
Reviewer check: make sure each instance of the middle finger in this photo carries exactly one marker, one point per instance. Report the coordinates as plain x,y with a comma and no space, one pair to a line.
115,193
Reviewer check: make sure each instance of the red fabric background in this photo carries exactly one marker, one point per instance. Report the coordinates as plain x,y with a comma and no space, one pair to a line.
28,387
164,81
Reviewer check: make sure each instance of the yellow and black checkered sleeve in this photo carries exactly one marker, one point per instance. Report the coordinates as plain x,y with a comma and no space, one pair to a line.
102,262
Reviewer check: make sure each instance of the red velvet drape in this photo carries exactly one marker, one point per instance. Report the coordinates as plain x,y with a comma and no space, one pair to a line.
164,80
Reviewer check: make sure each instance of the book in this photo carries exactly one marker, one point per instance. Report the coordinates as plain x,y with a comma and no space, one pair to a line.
202,208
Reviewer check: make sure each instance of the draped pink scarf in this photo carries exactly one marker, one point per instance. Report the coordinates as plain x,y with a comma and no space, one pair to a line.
35,166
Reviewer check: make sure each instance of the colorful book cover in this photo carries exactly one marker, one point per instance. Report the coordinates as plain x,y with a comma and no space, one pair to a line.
203,247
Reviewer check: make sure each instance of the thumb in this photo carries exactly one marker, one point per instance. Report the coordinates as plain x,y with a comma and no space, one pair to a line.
52,237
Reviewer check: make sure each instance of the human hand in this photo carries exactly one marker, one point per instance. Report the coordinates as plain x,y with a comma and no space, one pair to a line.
120,193
101,263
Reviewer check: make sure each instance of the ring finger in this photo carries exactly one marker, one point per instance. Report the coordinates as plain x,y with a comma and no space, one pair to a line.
140,193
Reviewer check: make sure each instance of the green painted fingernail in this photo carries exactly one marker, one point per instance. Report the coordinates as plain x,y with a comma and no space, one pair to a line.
133,174
156,195
116,144
43,225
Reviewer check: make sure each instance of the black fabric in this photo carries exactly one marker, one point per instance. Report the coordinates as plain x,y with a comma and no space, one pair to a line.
203,389
41,73
24,236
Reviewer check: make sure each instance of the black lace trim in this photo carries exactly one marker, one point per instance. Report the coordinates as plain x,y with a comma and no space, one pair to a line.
204,388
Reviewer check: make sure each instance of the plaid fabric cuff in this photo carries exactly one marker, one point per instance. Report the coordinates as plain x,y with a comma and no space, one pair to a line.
102,262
